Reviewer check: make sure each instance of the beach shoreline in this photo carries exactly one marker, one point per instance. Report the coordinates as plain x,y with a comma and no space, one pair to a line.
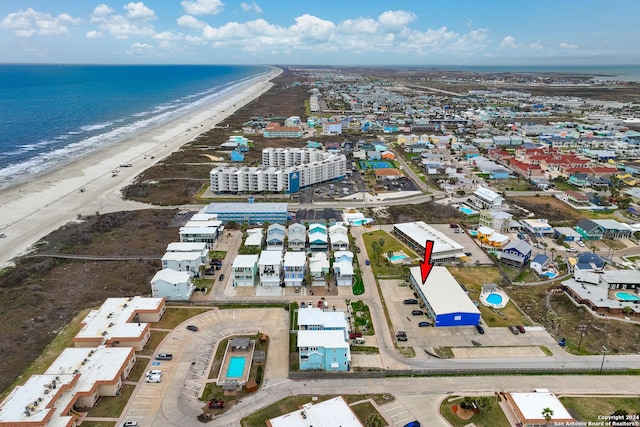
93,183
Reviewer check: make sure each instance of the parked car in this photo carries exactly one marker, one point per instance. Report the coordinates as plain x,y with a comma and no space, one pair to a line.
410,301
580,243
367,262
572,249
2,235
319,303
154,378
417,312
480,329
401,334
514,330
154,372
221,277
209,271
193,328
412,424
424,324
164,356
401,338
520,329
130,424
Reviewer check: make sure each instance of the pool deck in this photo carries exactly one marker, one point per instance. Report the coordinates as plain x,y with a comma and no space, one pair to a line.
224,368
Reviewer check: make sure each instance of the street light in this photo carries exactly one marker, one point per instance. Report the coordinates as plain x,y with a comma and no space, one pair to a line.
583,329
604,353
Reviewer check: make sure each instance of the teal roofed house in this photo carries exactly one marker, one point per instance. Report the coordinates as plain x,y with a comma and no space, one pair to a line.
314,144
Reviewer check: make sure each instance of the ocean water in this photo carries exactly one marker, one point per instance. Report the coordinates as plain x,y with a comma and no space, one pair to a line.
51,114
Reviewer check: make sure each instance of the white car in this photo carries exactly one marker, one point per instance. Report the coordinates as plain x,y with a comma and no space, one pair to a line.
2,235
130,424
154,378
154,372
580,243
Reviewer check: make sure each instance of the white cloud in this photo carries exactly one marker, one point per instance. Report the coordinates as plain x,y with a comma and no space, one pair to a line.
395,20
26,23
139,11
309,27
188,21
94,34
202,7
565,45
139,48
119,26
536,45
102,10
508,42
251,7
359,25
168,36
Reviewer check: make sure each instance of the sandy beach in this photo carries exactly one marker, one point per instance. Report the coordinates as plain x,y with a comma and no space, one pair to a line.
31,211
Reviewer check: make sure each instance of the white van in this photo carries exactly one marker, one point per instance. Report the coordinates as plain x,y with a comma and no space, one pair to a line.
359,340
154,378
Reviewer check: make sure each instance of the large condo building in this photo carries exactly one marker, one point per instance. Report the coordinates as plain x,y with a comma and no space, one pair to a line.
284,170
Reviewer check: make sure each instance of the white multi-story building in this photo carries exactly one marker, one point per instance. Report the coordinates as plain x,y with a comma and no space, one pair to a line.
270,268
286,170
295,266
286,157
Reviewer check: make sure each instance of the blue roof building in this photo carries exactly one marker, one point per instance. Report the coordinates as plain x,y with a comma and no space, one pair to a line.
250,213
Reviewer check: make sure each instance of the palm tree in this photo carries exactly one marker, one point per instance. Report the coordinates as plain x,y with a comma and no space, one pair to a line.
373,420
375,247
547,413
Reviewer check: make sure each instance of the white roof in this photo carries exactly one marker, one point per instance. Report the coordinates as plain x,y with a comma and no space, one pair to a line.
316,316
203,217
338,228
270,258
330,413
420,232
318,235
443,292
245,261
485,230
486,194
536,223
170,275
295,258
182,256
338,237
340,254
611,224
200,224
532,404
204,231
254,239
187,247
323,338
13,407
113,317
99,364
344,267
232,207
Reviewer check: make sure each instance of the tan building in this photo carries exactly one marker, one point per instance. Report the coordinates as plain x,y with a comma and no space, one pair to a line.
120,322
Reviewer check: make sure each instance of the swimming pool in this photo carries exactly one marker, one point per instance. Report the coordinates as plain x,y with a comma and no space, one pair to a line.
626,296
397,258
550,274
494,299
236,367
465,210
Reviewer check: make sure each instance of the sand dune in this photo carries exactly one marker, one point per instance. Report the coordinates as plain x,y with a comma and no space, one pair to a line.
31,211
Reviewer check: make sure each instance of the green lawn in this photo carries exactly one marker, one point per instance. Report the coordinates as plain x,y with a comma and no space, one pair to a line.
358,286
112,406
473,278
174,316
380,265
362,317
493,418
589,408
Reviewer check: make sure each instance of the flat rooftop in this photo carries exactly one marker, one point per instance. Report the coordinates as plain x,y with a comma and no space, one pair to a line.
330,413
115,317
222,208
316,316
443,291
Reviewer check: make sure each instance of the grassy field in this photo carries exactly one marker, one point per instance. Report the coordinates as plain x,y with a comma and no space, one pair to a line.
492,418
174,316
362,317
557,212
589,408
473,278
112,406
380,265
564,319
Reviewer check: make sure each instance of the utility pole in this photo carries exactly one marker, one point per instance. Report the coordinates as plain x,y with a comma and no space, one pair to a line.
583,329
604,353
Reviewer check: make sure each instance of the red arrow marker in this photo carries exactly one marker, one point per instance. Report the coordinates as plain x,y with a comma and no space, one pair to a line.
426,265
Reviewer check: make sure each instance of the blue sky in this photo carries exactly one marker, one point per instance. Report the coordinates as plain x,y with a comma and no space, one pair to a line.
328,32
